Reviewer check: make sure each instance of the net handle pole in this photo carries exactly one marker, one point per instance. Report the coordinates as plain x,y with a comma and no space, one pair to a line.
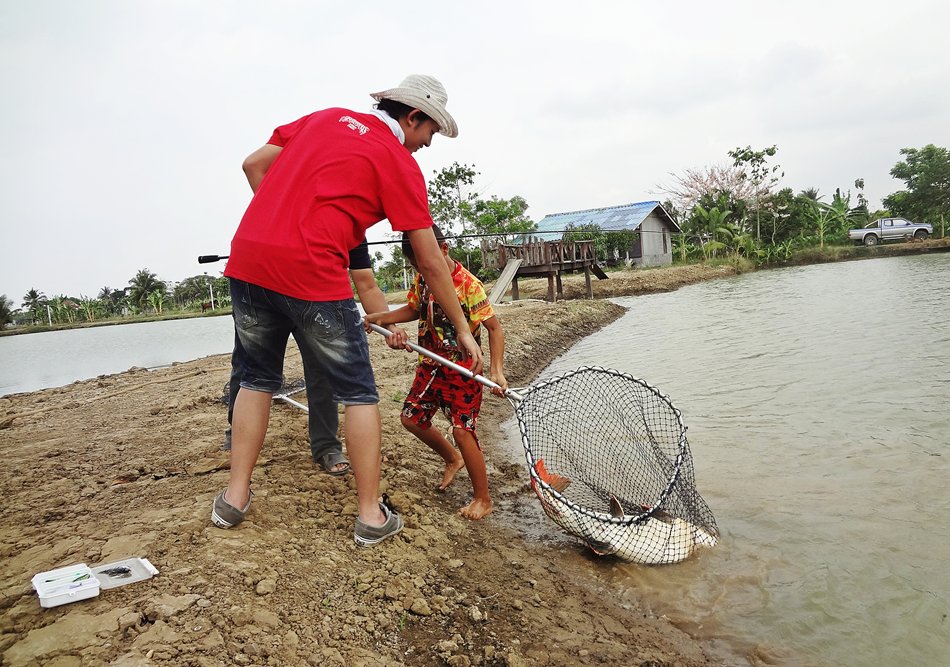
287,399
509,393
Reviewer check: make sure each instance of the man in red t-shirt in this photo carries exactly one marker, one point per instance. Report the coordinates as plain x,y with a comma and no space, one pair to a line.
319,184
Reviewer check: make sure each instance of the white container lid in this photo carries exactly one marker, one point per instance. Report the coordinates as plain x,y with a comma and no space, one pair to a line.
65,584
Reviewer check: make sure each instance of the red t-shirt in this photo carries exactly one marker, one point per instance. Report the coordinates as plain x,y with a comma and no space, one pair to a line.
339,173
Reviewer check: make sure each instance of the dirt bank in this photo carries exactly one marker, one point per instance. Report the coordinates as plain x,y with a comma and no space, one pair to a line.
127,465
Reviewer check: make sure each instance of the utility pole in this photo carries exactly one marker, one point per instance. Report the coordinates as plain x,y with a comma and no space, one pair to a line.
211,289
49,315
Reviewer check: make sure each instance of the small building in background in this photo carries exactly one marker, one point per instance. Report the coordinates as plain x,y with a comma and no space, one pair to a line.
652,225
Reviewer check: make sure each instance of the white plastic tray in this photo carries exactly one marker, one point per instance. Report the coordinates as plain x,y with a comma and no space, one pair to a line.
65,584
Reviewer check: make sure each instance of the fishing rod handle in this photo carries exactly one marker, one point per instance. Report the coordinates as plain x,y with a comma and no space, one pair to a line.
207,259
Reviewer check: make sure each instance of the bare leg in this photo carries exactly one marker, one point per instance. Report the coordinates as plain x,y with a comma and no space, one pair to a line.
481,504
363,437
249,425
440,445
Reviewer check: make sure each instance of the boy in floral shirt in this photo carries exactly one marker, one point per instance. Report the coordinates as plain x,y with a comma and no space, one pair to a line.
436,387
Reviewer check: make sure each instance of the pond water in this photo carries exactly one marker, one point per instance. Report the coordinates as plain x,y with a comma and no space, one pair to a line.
816,402
54,358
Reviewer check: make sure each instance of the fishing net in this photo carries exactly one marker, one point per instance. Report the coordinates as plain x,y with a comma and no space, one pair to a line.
609,460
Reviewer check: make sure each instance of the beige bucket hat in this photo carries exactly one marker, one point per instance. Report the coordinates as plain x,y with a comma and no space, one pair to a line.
425,93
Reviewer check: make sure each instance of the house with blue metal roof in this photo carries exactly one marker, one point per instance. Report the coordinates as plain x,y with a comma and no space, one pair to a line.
654,226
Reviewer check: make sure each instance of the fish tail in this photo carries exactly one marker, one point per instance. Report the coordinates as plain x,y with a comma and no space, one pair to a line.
556,482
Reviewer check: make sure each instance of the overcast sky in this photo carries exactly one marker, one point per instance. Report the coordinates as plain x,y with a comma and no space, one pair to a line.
124,124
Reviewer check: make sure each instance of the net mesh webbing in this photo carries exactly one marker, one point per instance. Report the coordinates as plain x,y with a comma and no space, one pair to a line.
596,438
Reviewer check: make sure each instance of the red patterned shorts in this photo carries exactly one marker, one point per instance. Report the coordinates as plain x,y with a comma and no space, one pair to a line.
439,388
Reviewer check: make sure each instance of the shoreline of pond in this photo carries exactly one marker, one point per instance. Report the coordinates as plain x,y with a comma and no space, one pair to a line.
632,281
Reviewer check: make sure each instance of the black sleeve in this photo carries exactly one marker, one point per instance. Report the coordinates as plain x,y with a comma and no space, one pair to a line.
359,257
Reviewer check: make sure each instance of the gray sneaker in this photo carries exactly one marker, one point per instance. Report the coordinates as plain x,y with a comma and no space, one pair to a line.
367,536
226,515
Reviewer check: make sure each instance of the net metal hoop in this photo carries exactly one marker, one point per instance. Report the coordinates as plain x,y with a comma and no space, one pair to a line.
681,446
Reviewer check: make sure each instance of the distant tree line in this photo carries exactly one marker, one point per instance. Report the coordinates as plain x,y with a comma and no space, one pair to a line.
727,212
737,210
145,295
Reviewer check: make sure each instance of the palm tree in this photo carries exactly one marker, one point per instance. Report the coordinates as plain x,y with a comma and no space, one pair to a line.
109,299
34,301
142,284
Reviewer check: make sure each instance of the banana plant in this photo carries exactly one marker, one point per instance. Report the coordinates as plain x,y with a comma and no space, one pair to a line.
156,299
90,308
682,247
713,222
826,220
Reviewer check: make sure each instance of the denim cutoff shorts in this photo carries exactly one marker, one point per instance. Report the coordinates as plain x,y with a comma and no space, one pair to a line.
330,336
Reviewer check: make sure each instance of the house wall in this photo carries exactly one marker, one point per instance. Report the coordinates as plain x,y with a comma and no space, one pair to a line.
656,245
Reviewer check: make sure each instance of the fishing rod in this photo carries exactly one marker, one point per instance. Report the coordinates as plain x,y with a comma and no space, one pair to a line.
207,259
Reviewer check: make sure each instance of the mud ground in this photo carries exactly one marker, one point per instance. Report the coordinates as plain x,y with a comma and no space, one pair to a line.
128,464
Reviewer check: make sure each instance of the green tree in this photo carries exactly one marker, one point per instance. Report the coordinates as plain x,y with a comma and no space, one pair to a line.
192,290
589,232
862,212
35,303
762,176
452,198
394,274
696,223
110,300
610,245
142,284
6,311
504,217
457,208
926,173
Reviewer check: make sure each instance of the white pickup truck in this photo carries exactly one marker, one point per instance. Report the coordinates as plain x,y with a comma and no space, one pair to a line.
890,229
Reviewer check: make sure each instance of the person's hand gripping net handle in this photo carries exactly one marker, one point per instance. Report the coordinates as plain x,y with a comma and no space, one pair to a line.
511,394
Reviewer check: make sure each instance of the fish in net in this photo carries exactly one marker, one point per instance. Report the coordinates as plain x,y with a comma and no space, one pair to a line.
611,465
609,461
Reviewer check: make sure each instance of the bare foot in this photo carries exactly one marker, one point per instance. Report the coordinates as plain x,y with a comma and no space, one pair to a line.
476,509
450,470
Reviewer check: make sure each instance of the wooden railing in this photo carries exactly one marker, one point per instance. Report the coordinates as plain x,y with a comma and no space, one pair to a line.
539,256
545,258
